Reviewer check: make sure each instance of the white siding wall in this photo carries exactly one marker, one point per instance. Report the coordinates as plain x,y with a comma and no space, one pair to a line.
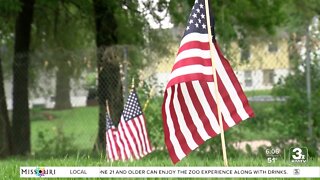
280,74
257,79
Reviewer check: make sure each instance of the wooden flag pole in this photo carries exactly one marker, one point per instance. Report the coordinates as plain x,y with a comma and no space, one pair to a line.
108,112
132,88
148,100
132,83
107,108
217,97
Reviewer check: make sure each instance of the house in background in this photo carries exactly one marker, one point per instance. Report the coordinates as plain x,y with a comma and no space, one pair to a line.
263,65
258,68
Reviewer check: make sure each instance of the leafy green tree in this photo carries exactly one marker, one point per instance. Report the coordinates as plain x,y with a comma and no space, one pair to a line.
109,86
294,111
8,12
120,25
245,22
62,36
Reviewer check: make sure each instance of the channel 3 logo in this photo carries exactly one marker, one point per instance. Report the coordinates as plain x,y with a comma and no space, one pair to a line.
298,155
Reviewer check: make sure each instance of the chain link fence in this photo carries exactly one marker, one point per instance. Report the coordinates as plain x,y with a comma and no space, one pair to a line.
63,96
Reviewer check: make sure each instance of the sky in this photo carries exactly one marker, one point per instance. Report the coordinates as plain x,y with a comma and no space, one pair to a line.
164,24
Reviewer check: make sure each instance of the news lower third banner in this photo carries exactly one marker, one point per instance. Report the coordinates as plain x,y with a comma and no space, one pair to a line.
170,172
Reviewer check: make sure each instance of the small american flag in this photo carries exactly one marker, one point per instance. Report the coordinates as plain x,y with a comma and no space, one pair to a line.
189,109
132,129
111,138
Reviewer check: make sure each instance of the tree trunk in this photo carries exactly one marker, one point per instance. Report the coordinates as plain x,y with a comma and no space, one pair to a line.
62,99
20,116
5,149
109,84
62,95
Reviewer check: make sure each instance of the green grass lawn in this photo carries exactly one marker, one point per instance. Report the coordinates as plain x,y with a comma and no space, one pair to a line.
77,128
56,131
80,125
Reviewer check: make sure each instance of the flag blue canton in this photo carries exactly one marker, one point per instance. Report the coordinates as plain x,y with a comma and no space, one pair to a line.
132,107
197,21
109,123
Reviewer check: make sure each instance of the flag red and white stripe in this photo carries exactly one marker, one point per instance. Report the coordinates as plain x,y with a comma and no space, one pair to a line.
132,129
189,109
113,145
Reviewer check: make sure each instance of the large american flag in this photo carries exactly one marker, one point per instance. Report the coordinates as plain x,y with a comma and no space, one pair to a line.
132,129
189,109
